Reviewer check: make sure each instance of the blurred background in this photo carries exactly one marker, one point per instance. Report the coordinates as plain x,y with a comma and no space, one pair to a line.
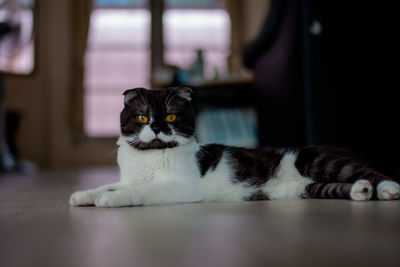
265,73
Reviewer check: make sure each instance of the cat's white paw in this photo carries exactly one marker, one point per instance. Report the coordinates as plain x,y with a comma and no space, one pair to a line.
361,190
82,198
388,190
116,199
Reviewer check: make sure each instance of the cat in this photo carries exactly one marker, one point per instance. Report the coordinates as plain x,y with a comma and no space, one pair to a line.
161,163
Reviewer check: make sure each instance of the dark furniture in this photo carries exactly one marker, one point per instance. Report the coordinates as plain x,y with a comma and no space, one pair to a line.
325,75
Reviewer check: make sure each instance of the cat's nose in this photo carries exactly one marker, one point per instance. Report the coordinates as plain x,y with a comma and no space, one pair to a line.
156,129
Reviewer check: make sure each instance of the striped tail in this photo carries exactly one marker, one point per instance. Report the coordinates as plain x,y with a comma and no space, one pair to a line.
329,190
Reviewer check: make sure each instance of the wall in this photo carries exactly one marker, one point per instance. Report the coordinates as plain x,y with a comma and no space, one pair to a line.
44,98
255,12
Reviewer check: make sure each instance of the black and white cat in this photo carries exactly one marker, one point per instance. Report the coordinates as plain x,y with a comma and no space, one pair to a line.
160,162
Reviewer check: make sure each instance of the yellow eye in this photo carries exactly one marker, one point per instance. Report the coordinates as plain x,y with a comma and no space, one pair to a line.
142,118
171,117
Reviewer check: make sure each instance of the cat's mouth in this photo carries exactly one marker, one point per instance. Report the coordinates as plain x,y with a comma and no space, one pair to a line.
156,143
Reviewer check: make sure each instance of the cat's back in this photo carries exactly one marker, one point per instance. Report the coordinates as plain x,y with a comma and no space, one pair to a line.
244,162
234,173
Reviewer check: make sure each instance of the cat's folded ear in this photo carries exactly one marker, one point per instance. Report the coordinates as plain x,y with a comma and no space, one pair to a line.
129,94
184,92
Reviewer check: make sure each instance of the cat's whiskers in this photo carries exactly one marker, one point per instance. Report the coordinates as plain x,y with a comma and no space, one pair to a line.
135,142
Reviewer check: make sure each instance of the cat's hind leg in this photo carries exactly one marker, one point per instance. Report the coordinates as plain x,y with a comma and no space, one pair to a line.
361,190
324,165
88,197
388,190
386,187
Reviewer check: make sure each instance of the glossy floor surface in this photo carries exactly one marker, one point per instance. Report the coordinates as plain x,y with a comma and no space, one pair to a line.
38,228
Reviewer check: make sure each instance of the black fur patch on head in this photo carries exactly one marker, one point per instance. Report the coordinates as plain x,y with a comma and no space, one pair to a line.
157,104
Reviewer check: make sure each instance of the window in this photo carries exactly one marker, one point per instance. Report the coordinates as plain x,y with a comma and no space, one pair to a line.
17,36
117,58
118,51
184,31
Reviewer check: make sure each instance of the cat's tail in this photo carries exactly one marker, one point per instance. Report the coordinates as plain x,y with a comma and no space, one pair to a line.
329,190
361,190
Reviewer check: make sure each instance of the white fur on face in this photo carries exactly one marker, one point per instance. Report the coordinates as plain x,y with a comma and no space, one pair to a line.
165,138
146,134
182,140
174,138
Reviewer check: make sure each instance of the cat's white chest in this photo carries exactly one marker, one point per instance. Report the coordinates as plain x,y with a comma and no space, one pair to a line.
139,167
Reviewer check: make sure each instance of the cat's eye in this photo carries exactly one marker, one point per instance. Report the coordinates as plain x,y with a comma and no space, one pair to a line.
142,119
170,117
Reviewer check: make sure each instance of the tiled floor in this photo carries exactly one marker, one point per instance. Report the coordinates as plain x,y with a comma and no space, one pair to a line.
38,228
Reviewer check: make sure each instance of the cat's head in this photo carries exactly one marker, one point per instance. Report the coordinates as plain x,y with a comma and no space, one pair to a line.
157,119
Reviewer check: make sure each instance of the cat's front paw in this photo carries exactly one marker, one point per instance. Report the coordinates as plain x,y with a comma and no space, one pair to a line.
116,199
361,190
82,198
388,190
